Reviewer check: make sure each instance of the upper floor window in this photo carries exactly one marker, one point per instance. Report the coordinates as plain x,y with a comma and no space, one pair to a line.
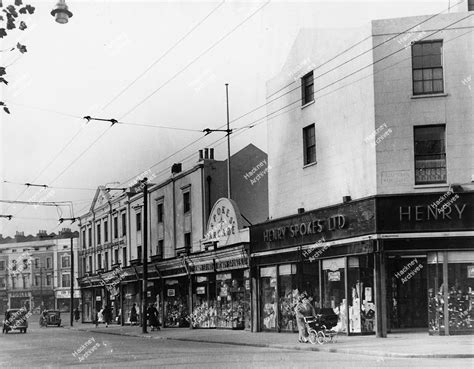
2,264
187,240
116,256
66,280
307,88
430,154
160,247
48,280
427,65
36,263
139,221
13,282
83,238
106,231
139,252
160,213
309,144
65,261
106,260
2,283
187,201
37,280
116,227
48,263
99,261
470,5
98,233
90,237
124,257
124,224
90,263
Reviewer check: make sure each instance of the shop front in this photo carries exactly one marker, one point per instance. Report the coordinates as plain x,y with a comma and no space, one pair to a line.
220,275
428,252
63,300
328,255
19,299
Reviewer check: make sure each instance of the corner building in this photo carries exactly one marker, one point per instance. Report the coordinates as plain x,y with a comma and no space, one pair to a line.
371,196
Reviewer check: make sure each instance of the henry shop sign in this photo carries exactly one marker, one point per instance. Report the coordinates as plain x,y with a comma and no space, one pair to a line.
346,220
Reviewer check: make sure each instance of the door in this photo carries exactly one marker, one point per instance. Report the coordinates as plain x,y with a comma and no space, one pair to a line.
269,301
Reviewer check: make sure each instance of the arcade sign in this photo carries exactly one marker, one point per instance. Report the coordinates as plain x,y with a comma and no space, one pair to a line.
224,221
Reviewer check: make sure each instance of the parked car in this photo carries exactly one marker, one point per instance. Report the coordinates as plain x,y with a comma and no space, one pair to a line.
51,317
16,319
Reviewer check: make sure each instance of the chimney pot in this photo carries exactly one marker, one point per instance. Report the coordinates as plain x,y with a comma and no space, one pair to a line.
206,153
211,153
200,155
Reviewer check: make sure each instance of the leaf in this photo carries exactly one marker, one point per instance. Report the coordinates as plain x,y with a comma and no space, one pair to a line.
12,10
3,33
2,71
10,24
18,2
1,18
22,10
21,47
3,80
6,110
30,9
22,26
2,103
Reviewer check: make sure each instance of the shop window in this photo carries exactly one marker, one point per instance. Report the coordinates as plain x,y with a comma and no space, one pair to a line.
430,154
310,282
204,302
360,279
231,300
269,302
457,291
287,293
334,295
307,88
427,64
176,306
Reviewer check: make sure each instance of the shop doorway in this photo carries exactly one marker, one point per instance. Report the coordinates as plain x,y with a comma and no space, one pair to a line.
407,292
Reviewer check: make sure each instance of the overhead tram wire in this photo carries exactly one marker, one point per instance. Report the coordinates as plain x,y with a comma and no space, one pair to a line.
169,80
333,83
371,49
197,58
164,54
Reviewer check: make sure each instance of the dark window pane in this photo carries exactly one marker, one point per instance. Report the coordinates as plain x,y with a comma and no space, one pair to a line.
418,87
438,73
427,86
438,85
418,74
426,48
427,74
417,62
430,154
417,49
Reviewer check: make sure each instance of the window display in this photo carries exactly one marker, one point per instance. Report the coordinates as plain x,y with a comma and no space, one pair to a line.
334,290
287,297
269,303
310,282
176,303
361,298
460,292
204,300
231,300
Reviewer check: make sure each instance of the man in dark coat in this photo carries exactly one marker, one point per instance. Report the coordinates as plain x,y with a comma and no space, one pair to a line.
107,315
152,314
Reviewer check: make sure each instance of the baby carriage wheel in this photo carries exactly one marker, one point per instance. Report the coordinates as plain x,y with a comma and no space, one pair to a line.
321,337
313,336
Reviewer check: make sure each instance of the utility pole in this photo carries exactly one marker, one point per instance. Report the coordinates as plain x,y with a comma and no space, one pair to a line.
145,255
228,142
229,132
72,282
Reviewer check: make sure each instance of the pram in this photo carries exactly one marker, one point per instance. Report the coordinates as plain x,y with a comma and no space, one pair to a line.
319,327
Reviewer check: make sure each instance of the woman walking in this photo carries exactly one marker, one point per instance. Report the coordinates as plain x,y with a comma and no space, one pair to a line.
303,309
133,315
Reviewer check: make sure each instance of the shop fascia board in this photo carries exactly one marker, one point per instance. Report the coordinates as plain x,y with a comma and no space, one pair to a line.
368,238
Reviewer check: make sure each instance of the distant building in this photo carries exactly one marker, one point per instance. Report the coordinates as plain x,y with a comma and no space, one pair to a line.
35,271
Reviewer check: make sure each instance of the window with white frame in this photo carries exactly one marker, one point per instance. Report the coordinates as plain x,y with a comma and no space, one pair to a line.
430,154
66,280
309,144
427,66
307,88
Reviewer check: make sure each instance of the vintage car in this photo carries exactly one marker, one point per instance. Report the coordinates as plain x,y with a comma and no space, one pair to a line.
51,317
16,319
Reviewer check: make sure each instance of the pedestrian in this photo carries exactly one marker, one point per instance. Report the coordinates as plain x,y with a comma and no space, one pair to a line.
152,315
96,319
107,312
77,315
134,315
100,316
303,309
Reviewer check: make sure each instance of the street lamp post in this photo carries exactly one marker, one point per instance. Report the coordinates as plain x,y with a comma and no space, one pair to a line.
145,255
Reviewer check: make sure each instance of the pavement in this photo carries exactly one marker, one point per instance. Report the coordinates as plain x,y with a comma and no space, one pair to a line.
407,345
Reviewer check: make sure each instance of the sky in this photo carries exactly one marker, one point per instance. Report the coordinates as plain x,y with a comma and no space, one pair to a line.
143,63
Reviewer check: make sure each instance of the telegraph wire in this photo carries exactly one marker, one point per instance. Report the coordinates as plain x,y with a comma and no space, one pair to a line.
196,58
164,54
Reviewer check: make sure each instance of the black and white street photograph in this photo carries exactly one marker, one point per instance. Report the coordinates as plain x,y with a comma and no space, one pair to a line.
236,184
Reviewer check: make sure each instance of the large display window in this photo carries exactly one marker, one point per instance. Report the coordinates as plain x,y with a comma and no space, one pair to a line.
333,275
269,302
360,279
176,303
204,302
451,281
310,282
287,286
